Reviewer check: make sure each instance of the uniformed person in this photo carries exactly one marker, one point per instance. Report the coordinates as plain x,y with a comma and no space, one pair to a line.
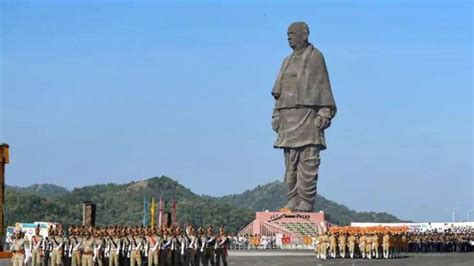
88,248
362,243
341,240
332,245
222,243
18,248
177,247
191,246
75,241
386,245
136,246
153,241
324,242
99,245
165,247
114,247
368,246
57,244
375,245
352,244
36,247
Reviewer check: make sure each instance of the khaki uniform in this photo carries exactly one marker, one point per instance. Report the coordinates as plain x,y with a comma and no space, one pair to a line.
386,246
362,244
368,246
36,250
99,246
114,247
88,246
57,252
342,245
324,241
375,245
154,243
75,250
18,247
352,243
332,246
137,244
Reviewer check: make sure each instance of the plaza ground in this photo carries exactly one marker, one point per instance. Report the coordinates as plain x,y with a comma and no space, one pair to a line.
301,258
308,258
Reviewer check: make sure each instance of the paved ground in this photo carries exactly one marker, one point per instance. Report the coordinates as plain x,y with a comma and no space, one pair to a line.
284,258
308,258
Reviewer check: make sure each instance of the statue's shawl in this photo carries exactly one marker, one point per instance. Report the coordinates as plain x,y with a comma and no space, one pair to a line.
312,82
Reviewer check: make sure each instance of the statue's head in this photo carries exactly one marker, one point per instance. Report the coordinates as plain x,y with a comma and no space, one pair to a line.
298,33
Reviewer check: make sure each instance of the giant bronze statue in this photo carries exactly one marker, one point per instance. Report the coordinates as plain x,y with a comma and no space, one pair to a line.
304,108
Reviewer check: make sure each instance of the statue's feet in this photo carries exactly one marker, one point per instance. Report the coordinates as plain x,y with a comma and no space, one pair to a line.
292,203
304,206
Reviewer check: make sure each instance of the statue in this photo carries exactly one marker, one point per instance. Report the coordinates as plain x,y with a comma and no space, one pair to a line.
304,108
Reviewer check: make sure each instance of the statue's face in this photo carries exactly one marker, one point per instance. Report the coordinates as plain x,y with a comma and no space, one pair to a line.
297,37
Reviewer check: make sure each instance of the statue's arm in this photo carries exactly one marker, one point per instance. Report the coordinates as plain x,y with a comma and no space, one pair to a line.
275,118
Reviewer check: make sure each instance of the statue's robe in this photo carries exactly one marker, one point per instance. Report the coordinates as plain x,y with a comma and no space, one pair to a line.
303,94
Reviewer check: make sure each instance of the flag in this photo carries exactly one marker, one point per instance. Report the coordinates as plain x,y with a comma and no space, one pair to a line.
152,213
160,214
173,213
145,212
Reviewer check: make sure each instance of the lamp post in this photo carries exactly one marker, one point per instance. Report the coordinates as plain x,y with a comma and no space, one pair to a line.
4,159
454,209
468,211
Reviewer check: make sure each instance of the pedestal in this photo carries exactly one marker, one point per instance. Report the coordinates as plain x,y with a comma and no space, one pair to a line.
296,225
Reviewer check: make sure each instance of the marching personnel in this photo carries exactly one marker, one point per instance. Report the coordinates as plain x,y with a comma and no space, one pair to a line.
153,241
36,247
209,249
57,244
125,246
178,248
98,250
368,246
75,241
375,245
199,246
19,248
204,244
114,246
317,244
352,244
362,245
332,245
88,248
342,239
165,258
47,247
136,246
222,243
324,242
386,245
191,246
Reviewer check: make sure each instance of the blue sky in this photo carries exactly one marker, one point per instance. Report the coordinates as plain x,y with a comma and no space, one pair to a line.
106,91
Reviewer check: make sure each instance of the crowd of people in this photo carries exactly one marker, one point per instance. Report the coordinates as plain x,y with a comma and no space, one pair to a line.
114,246
174,246
388,242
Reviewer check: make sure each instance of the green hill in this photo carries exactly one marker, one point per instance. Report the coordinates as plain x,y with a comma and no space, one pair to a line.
272,196
122,204
44,190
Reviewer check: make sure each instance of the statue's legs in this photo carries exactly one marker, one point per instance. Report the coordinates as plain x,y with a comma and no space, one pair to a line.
302,165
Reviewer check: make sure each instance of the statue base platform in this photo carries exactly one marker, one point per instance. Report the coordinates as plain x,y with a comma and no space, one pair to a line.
286,222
